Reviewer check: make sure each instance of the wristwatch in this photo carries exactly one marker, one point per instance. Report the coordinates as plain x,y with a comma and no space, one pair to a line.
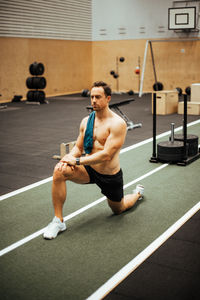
78,161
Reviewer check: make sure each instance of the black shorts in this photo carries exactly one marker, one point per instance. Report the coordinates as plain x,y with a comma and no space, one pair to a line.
111,185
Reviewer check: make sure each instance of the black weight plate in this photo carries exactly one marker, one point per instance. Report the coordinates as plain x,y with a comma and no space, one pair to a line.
170,152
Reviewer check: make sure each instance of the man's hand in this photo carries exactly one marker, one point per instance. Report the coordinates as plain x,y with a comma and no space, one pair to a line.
69,159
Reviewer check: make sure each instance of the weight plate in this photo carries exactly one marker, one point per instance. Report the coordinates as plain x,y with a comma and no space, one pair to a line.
170,152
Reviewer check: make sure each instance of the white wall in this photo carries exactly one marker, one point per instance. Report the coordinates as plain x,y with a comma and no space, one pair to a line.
89,19
134,19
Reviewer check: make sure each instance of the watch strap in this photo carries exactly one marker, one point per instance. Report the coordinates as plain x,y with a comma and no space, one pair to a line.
78,161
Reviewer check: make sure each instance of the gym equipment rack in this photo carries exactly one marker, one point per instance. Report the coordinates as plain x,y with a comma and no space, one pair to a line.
177,149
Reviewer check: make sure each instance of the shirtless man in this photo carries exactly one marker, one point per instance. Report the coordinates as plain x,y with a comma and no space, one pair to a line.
100,166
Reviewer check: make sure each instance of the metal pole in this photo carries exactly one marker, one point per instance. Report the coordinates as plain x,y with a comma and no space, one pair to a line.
154,125
154,158
185,126
172,132
117,71
139,74
153,62
143,68
183,123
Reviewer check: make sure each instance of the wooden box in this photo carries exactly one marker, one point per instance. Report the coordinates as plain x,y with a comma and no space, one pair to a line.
195,92
166,102
193,108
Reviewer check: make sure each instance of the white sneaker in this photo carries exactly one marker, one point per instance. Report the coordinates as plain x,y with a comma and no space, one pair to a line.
139,189
54,228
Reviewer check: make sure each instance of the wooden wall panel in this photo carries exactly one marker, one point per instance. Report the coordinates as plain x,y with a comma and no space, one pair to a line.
104,60
71,66
177,63
68,65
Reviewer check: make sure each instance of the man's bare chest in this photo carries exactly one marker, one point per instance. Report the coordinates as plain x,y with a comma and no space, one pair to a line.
101,133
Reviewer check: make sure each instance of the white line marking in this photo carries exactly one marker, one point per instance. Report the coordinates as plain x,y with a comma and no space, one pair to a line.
72,215
145,175
28,187
140,258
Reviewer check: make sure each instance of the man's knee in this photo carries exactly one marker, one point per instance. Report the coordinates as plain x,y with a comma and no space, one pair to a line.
117,211
62,173
116,207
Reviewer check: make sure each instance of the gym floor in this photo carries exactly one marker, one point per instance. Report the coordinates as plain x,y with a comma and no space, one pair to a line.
97,244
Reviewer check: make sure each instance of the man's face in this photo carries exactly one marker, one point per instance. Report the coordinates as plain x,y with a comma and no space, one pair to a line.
98,98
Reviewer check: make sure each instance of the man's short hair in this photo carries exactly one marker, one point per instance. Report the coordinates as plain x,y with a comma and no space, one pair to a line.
105,86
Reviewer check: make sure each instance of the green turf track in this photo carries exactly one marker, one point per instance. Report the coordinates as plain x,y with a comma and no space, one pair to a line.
97,244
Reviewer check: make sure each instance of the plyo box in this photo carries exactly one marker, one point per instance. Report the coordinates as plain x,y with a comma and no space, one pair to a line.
193,108
166,102
195,92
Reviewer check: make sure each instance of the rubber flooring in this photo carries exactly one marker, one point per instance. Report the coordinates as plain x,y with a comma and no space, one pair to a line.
30,136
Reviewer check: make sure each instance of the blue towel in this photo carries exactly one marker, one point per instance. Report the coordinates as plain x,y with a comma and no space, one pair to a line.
88,138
